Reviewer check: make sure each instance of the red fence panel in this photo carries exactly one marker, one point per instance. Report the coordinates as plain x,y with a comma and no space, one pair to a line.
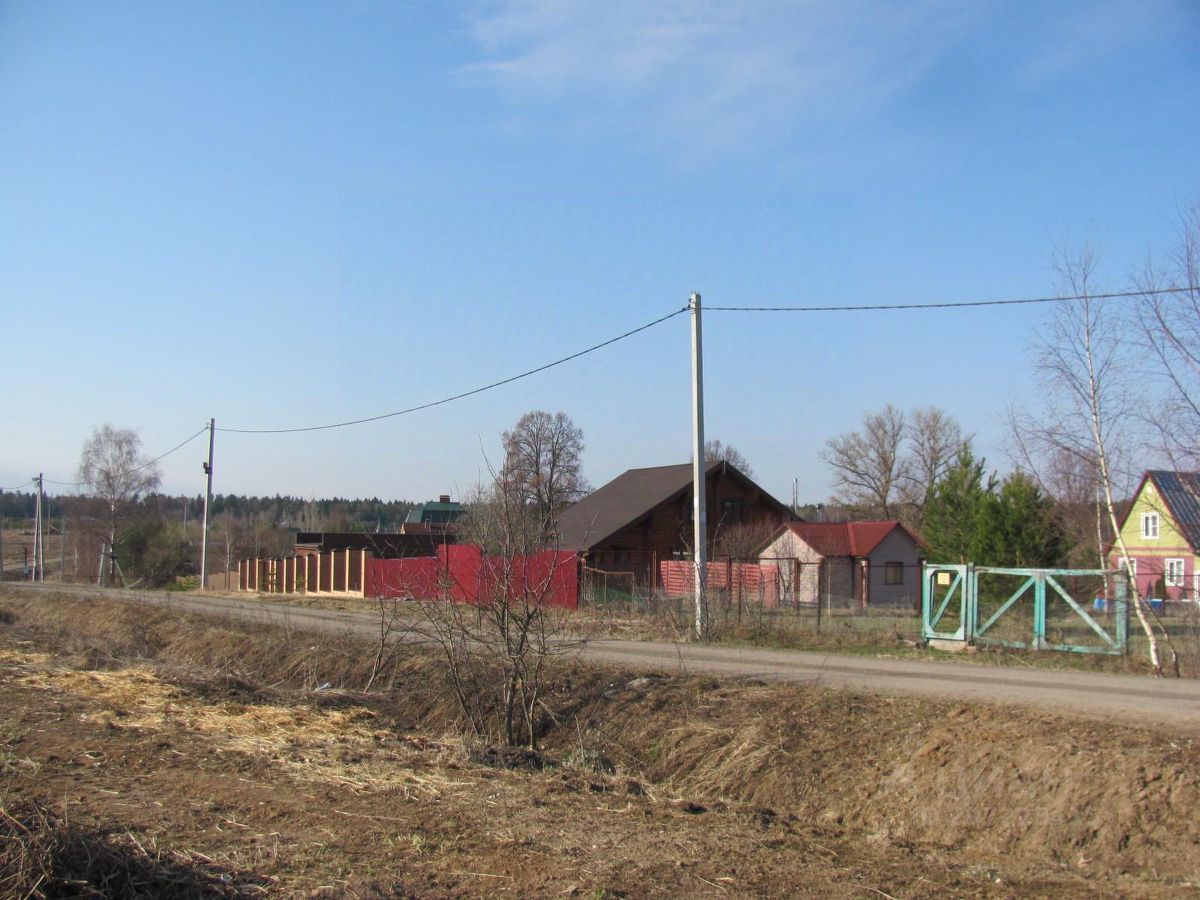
417,578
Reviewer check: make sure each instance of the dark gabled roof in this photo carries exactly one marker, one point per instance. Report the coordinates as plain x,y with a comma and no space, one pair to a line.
632,495
623,500
436,512
1181,492
846,538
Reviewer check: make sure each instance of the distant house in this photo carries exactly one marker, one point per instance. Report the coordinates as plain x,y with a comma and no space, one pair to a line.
432,516
847,563
644,516
1162,532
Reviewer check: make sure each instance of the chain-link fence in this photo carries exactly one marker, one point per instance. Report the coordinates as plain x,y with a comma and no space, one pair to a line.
780,601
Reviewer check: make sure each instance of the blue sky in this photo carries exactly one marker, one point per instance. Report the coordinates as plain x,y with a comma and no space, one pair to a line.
291,214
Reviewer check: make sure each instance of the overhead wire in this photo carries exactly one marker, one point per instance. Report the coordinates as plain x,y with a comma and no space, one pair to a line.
19,486
138,468
949,305
460,396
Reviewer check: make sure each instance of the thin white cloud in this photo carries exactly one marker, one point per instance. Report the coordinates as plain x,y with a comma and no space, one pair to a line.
725,74
707,67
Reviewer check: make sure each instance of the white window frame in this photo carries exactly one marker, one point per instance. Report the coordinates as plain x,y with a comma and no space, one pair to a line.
1173,578
1150,526
1131,567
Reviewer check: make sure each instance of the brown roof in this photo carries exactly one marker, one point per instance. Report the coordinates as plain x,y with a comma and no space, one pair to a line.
625,499
630,496
846,538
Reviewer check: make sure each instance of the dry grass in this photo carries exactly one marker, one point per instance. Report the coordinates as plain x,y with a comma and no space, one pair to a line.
997,782
313,744
42,855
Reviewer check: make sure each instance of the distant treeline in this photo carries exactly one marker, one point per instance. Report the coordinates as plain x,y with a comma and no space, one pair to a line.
329,514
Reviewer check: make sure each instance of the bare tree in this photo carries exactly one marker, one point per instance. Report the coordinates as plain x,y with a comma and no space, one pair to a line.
934,439
715,451
497,648
743,541
1170,328
114,470
869,464
1084,366
543,466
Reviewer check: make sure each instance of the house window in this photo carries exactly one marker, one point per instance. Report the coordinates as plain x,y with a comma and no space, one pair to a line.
893,573
731,511
1174,573
1150,525
1128,564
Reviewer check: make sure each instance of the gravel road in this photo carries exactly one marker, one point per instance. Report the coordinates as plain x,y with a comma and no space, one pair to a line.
1173,704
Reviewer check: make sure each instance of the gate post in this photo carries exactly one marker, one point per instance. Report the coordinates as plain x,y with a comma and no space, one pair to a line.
970,603
1122,601
1039,612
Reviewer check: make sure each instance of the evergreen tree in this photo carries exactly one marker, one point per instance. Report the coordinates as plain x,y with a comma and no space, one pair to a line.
1026,530
960,514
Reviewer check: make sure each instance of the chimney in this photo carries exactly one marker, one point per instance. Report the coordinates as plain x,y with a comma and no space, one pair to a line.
444,498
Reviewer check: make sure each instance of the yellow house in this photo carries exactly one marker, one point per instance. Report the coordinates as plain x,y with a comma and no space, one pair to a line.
1162,532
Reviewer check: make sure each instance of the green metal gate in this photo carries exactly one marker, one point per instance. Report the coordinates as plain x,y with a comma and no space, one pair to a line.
1035,609
944,604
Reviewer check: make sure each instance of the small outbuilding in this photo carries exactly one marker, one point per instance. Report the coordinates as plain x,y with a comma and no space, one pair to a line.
847,564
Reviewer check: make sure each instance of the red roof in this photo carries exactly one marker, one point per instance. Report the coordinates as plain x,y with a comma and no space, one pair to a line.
846,538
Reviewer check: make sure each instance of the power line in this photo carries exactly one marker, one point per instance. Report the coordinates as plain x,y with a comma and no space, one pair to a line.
19,486
472,392
144,465
951,305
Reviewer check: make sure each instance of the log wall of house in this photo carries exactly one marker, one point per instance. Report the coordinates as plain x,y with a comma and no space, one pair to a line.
665,532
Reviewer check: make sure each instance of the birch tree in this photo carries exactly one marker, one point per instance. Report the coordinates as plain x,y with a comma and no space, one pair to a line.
1084,365
114,470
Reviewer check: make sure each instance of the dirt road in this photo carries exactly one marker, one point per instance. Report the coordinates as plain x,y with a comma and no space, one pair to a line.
1170,703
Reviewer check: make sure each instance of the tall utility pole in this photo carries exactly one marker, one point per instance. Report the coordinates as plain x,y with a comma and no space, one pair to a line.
37,530
208,466
39,536
1,534
699,501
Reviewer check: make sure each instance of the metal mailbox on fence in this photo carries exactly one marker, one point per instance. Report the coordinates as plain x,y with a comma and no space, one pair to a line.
1035,609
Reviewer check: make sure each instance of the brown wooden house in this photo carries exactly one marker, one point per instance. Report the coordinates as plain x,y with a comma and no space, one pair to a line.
644,516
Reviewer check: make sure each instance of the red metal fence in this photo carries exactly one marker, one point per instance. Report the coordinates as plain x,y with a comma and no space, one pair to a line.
462,573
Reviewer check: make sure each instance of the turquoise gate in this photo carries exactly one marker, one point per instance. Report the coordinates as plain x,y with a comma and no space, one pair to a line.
1034,609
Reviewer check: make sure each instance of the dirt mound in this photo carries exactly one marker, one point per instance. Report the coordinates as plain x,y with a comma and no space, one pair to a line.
993,782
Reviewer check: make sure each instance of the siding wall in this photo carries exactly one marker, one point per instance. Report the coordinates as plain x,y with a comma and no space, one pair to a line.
1151,554
896,547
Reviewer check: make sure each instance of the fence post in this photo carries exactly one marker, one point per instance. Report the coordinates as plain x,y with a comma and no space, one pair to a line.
1122,601
970,603
1039,612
